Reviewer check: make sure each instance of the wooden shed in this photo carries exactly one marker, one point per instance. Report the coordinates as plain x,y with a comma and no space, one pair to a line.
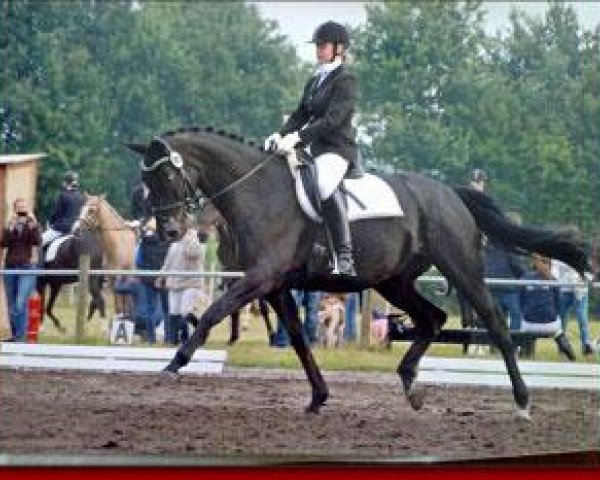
18,178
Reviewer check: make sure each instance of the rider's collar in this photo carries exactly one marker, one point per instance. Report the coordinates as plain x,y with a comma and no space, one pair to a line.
326,68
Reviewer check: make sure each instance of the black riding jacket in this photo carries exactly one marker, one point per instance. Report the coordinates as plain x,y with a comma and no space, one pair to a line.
327,112
66,210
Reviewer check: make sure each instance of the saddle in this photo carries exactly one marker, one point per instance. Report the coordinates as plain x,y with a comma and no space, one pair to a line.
50,250
366,195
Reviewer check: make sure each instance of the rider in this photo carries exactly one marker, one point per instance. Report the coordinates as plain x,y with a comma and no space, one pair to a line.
66,209
323,121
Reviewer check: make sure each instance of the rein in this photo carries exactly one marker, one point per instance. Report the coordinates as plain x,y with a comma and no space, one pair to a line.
195,202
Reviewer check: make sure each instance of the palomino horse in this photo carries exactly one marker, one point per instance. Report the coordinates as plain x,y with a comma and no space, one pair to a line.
117,237
254,191
67,257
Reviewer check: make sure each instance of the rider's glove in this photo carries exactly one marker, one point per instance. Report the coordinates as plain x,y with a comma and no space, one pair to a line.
271,142
287,143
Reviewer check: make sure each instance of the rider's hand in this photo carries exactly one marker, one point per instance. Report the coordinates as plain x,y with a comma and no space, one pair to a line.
271,142
287,143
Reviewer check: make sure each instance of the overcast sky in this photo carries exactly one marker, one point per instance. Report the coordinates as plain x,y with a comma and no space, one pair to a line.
298,20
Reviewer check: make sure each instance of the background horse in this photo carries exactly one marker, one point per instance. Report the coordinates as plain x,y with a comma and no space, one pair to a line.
117,237
67,257
227,254
254,192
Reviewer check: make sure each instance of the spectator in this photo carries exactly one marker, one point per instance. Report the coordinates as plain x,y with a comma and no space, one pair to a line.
478,180
575,298
310,301
331,316
66,209
501,264
351,304
151,253
379,327
140,315
186,254
20,240
468,316
140,205
539,304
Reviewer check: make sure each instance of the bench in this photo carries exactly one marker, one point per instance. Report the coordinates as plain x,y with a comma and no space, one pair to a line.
399,331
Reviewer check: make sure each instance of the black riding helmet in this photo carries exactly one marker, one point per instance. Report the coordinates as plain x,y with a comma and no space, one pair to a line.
331,32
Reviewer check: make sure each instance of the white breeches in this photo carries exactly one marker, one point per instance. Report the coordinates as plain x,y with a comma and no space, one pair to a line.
50,235
183,301
331,169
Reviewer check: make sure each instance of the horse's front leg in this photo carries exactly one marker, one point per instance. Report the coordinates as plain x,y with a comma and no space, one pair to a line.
285,307
238,295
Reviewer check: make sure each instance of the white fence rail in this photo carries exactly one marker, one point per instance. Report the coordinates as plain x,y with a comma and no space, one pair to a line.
105,359
208,274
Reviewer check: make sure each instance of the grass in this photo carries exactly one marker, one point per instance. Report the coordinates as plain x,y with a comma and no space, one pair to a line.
252,348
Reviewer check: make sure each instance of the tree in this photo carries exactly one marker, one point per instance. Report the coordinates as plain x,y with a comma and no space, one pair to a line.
82,77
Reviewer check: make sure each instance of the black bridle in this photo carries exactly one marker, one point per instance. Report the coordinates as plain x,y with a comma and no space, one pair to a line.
194,200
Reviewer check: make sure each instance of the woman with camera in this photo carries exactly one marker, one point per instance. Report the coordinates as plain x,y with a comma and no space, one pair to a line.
19,250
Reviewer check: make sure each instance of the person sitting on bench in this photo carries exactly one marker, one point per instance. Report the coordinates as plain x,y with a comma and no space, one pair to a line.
539,305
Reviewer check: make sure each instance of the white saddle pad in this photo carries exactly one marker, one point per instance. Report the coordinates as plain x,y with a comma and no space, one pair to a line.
54,246
375,195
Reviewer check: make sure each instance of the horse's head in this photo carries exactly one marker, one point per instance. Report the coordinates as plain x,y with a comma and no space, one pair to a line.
89,216
171,192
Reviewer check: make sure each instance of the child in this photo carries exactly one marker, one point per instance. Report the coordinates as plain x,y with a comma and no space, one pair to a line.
331,320
379,327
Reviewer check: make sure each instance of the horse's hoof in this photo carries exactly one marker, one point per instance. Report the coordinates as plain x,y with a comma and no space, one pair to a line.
317,402
523,414
167,376
416,398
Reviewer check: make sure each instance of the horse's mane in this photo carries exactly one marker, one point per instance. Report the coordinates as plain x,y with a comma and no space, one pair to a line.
211,130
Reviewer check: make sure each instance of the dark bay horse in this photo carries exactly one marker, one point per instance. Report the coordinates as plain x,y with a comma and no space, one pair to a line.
67,257
227,255
254,192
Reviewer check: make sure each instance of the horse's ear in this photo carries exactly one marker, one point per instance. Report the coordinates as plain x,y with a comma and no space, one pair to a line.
138,148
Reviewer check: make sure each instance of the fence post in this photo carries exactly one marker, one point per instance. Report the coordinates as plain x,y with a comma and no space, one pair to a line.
365,319
84,280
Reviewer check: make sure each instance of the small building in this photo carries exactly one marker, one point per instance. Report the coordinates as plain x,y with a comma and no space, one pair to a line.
18,178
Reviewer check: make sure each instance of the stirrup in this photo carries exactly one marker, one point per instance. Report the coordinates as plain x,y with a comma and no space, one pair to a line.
348,267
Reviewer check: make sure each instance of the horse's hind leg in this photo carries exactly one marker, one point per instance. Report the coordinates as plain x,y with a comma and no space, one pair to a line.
264,311
428,320
97,302
467,276
235,328
54,289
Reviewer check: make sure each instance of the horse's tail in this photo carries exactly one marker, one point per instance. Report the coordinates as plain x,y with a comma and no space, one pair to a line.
560,244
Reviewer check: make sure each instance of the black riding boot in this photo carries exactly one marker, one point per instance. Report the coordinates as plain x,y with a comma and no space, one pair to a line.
335,215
